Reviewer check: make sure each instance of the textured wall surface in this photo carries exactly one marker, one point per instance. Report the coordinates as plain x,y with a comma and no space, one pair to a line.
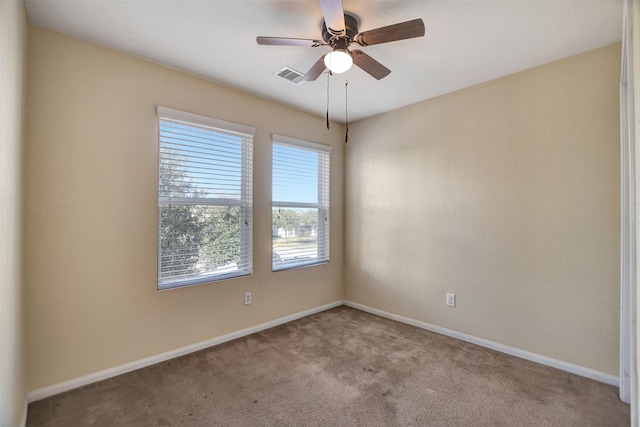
506,194
13,44
91,222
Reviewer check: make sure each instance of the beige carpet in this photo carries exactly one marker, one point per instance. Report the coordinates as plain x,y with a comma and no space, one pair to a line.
341,367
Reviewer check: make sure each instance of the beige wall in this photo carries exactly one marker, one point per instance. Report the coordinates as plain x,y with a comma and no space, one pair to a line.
91,212
506,194
13,43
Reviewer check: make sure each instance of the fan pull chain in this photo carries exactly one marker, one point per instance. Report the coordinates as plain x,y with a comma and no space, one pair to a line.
346,110
328,79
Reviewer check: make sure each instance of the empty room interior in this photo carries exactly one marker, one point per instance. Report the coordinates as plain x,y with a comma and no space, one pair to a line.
464,254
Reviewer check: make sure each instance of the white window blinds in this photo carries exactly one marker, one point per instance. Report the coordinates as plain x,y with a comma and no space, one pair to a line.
300,203
204,199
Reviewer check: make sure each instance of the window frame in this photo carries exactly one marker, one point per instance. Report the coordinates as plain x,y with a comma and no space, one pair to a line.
244,202
322,204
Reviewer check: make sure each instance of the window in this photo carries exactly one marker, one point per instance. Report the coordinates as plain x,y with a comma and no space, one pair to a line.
204,199
300,203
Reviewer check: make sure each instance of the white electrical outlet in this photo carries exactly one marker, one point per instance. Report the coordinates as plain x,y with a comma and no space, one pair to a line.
451,300
247,298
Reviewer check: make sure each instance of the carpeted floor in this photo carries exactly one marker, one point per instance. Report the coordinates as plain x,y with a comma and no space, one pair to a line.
341,367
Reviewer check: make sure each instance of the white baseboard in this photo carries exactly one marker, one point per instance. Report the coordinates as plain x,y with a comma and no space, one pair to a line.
533,357
52,390
45,392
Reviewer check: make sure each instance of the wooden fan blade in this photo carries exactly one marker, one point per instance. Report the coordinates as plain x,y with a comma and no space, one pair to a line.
370,65
315,71
333,16
285,41
391,33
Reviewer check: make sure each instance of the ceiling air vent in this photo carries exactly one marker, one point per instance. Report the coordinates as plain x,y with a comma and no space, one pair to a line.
290,74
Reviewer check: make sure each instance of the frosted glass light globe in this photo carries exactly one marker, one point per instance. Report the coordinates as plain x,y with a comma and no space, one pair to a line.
338,61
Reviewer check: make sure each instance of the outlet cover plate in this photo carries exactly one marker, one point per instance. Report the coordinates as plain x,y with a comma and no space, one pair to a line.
451,300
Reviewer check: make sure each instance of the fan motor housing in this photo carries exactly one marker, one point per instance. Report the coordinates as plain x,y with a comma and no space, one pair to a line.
351,27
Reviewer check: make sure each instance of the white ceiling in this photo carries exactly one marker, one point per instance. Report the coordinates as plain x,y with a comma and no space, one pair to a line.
466,42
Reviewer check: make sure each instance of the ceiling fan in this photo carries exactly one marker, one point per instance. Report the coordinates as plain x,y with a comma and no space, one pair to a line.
339,31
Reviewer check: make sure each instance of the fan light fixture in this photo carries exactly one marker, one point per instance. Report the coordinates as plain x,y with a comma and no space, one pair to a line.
338,61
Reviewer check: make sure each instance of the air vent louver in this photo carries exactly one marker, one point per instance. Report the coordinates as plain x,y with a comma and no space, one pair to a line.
290,75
